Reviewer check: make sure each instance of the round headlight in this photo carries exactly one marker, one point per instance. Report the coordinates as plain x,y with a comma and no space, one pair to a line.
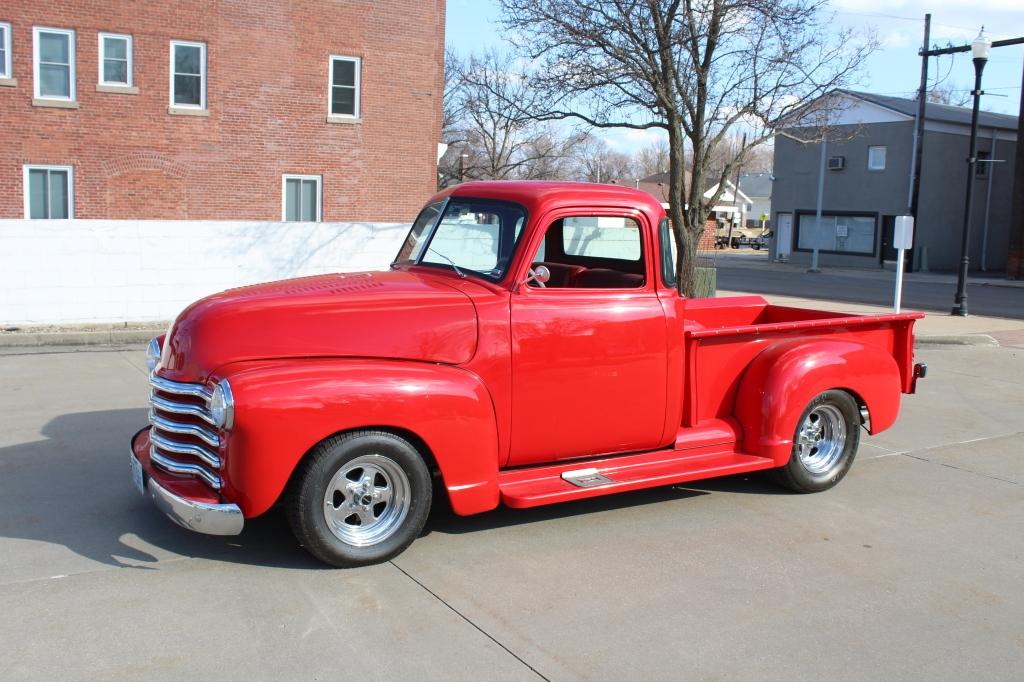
152,354
222,405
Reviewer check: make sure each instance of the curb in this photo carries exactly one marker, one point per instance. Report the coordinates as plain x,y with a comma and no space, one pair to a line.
97,338
955,340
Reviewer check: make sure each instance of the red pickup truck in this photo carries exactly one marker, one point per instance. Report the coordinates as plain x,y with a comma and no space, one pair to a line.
528,346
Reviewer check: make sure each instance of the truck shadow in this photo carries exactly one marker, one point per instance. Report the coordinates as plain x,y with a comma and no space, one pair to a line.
444,520
72,489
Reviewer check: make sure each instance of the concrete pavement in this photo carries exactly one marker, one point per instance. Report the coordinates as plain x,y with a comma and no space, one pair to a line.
909,569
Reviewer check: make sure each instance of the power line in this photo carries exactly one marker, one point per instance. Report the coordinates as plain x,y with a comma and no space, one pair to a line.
917,20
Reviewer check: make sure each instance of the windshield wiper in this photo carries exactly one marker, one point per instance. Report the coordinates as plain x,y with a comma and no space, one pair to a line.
450,262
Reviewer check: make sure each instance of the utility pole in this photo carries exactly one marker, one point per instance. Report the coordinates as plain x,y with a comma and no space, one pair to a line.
922,98
1015,259
817,210
736,192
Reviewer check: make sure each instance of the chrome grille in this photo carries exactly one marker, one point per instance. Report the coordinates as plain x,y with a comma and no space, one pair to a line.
183,440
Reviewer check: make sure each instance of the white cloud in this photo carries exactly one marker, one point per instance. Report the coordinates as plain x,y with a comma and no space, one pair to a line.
629,140
895,39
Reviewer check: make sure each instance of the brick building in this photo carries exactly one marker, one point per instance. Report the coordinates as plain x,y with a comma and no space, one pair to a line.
255,110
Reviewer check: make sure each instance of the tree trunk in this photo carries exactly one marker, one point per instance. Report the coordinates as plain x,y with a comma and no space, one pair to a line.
686,246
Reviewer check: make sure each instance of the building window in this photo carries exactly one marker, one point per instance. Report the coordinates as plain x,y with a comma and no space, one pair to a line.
188,75
5,50
838,233
876,158
344,91
115,59
981,167
301,198
53,51
49,192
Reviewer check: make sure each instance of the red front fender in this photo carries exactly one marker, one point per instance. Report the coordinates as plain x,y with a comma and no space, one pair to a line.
284,408
783,378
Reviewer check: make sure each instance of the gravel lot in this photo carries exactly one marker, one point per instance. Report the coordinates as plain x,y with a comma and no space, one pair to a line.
911,569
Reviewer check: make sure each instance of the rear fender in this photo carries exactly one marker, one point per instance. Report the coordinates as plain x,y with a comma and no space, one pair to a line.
283,409
785,377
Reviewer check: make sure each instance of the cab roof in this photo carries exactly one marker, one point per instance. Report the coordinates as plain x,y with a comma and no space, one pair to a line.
538,196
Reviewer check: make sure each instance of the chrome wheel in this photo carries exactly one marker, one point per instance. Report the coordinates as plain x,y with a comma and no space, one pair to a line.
821,439
367,500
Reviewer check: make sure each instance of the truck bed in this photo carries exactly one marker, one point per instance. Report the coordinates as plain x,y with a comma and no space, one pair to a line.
723,335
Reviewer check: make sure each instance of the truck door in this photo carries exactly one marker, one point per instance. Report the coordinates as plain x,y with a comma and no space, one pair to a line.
589,349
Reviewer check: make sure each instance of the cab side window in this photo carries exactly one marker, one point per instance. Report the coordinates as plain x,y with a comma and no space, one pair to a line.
593,252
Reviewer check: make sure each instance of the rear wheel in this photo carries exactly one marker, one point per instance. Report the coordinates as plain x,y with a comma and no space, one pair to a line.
360,498
824,445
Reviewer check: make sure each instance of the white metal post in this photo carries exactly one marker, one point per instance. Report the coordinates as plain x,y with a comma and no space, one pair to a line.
902,239
899,281
817,211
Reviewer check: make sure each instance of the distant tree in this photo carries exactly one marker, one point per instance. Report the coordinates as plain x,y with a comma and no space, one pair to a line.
948,93
487,138
701,70
594,161
652,159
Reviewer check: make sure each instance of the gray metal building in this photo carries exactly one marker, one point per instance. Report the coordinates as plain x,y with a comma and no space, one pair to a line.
867,184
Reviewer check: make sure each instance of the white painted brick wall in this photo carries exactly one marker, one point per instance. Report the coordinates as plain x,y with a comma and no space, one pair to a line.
74,271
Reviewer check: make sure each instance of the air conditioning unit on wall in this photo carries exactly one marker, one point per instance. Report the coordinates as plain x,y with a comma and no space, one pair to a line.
836,163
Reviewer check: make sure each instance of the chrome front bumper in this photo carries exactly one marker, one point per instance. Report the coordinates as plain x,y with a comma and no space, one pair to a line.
202,517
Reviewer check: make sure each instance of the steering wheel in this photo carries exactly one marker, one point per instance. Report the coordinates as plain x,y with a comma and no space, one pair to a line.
538,277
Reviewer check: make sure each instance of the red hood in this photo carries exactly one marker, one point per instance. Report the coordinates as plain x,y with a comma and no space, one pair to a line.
395,315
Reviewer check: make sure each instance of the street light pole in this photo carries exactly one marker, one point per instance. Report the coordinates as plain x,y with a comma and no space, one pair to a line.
980,49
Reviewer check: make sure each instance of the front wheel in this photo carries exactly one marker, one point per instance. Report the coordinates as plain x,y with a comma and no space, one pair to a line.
824,445
359,498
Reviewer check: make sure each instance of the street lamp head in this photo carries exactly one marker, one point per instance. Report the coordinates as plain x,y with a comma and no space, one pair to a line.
981,45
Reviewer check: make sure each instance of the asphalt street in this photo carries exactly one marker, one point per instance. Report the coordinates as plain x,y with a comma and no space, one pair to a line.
742,271
910,569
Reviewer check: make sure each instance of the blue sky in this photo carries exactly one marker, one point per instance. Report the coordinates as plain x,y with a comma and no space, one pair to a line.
472,25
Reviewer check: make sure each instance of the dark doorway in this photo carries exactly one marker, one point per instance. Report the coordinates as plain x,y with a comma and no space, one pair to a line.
887,252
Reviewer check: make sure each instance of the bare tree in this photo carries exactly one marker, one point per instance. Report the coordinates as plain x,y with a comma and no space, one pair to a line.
451,100
652,159
948,93
489,139
699,69
594,161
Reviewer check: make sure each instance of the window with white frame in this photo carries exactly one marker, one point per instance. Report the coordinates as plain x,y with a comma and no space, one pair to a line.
5,50
53,62
49,192
344,90
876,158
188,75
301,198
115,59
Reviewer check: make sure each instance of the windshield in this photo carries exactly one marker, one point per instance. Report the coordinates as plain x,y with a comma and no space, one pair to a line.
477,236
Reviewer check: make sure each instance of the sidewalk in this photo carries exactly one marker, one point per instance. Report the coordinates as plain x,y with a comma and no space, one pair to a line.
81,334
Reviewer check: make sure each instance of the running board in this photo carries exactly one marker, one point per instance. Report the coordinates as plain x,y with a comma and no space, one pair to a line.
536,486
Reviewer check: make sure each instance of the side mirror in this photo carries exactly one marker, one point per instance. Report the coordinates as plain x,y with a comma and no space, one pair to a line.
539,274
